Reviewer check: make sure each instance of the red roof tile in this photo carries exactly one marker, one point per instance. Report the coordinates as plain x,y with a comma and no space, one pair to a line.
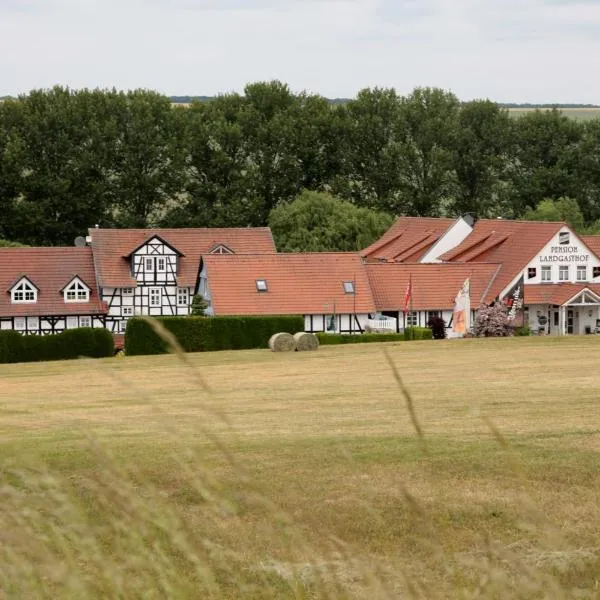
298,284
592,242
434,286
408,239
556,293
512,244
49,269
112,246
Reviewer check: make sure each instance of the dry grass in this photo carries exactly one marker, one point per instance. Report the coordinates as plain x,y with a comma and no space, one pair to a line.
579,114
301,476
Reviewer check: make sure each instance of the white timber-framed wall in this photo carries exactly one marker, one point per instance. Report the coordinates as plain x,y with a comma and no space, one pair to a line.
49,324
154,267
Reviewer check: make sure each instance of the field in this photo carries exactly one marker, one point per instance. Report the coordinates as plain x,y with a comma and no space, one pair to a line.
580,114
473,474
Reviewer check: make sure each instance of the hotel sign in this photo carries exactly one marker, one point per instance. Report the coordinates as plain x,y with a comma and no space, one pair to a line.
564,254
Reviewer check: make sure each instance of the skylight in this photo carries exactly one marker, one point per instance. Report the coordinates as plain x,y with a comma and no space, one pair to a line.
349,287
261,285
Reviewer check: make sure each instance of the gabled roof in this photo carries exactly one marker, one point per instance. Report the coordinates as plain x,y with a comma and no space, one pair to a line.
512,244
434,285
20,278
48,268
153,236
112,246
298,283
71,279
408,239
557,293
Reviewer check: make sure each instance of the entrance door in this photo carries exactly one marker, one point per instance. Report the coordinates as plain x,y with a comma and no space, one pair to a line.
570,321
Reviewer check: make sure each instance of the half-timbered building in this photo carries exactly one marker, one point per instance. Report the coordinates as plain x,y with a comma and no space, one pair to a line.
48,290
156,271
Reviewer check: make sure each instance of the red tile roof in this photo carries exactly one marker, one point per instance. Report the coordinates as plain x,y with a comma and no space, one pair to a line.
592,242
49,269
556,293
512,244
434,286
112,246
408,239
298,284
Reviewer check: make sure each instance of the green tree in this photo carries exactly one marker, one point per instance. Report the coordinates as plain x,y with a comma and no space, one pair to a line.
318,222
562,209
481,159
198,306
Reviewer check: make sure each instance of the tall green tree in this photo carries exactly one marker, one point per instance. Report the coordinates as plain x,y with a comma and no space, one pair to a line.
562,209
317,222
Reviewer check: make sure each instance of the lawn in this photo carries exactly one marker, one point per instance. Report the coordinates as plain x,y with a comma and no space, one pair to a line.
580,114
259,475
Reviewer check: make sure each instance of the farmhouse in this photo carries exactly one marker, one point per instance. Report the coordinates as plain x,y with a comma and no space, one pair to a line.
549,275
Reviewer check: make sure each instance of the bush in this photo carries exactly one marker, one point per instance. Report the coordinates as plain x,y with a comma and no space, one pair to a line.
330,339
73,343
438,328
492,321
522,331
417,333
203,334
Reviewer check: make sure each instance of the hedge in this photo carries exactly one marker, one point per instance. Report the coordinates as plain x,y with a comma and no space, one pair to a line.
73,343
419,333
202,334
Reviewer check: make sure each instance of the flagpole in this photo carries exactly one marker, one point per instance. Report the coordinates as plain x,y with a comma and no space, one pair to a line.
412,331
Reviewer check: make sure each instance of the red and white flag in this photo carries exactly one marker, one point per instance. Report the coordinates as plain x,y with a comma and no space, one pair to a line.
408,295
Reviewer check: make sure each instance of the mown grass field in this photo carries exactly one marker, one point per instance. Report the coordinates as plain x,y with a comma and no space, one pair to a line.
580,114
302,475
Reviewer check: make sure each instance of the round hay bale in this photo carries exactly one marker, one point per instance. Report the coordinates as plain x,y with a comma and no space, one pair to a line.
306,341
282,342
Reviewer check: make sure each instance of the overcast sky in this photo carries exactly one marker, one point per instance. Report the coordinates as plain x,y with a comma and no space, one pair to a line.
506,50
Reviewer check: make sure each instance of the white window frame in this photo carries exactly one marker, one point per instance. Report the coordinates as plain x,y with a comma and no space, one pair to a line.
183,296
349,287
76,291
126,291
581,269
153,294
161,264
82,321
148,264
262,285
563,273
20,323
546,273
411,319
127,311
24,292
122,326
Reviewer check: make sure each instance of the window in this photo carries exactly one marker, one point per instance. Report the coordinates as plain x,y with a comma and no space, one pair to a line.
77,292
433,313
411,319
128,311
182,296
155,297
581,273
122,326
161,264
19,323
85,321
33,323
261,285
563,237
531,272
595,272
221,249
349,287
546,273
563,273
24,292
127,291
149,264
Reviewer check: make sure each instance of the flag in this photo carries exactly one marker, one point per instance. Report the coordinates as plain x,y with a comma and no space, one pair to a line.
408,295
461,317
514,302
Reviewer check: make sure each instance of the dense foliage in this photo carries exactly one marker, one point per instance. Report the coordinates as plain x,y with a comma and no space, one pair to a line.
203,334
73,343
73,159
492,321
438,328
409,334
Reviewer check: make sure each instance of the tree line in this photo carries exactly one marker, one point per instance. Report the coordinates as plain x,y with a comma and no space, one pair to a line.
72,159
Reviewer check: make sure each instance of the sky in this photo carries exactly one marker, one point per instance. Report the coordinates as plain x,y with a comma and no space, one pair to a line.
506,50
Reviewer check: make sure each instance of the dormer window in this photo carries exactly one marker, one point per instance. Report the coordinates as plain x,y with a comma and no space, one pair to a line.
76,291
23,292
261,285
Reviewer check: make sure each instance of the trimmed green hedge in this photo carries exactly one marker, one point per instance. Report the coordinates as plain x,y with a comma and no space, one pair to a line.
202,334
418,333
73,343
